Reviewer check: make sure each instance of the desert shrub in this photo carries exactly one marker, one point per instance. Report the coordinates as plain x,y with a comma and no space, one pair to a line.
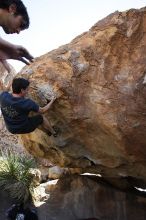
15,177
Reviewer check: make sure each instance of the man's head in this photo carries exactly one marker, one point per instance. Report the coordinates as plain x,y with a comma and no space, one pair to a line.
13,16
20,86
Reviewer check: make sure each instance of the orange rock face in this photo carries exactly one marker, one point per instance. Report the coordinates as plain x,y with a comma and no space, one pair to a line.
100,82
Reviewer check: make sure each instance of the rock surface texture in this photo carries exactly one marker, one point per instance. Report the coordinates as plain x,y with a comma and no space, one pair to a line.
8,141
82,198
5,77
100,82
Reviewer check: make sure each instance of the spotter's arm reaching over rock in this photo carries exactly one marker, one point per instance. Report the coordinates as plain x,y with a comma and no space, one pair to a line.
11,51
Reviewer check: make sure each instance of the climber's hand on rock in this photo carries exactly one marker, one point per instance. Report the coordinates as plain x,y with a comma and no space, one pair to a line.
46,107
53,98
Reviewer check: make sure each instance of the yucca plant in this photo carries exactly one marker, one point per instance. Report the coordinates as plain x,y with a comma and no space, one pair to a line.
15,176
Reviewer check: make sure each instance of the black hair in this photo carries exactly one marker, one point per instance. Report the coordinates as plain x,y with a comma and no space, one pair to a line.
18,84
20,10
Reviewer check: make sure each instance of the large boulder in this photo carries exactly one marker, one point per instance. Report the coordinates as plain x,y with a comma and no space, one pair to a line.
81,198
100,83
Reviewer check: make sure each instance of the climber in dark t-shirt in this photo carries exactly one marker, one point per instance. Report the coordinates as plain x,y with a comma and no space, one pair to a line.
15,109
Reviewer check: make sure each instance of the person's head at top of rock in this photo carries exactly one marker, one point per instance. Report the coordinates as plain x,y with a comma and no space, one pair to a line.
13,16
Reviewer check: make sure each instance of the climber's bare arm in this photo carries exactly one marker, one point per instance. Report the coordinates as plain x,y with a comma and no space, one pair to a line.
11,51
46,107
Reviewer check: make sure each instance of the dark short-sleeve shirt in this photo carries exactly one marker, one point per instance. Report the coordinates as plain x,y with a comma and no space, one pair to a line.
15,110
